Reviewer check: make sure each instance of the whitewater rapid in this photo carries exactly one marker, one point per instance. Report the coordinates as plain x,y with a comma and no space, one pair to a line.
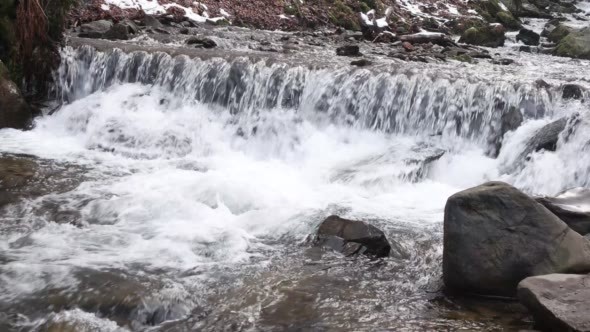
195,184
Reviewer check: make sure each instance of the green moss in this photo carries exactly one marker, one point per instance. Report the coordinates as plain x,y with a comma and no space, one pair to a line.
560,32
370,3
507,20
290,10
463,58
342,15
364,7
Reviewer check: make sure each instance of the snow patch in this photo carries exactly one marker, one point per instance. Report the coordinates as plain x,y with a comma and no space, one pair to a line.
152,7
370,20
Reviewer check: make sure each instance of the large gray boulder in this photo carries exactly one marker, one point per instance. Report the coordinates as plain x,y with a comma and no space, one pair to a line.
572,206
95,29
495,236
14,110
352,237
558,302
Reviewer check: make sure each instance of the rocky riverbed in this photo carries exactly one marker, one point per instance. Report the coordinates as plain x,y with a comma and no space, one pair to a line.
191,173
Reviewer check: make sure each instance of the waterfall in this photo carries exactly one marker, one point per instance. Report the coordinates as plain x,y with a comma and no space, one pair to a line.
390,100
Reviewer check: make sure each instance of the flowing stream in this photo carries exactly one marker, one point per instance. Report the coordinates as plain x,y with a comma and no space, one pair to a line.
182,193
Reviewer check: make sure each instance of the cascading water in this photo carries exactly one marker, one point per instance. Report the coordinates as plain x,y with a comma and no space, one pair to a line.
193,185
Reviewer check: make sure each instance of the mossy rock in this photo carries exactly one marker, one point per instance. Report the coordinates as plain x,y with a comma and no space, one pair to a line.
488,9
464,58
489,36
459,25
508,20
560,32
575,45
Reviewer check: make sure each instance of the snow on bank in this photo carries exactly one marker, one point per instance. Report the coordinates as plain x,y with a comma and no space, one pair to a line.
153,7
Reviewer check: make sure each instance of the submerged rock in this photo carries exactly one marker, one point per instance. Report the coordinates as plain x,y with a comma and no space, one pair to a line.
495,236
201,41
572,91
352,237
14,110
558,302
572,206
361,63
28,177
348,50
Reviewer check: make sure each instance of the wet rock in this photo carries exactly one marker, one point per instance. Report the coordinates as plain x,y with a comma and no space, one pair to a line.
572,206
407,46
479,55
528,37
356,35
509,121
495,236
361,63
24,176
348,50
352,237
572,91
558,302
503,62
152,22
119,31
488,36
542,84
14,110
508,20
184,31
132,27
77,320
111,294
558,32
544,139
464,58
201,41
95,29
575,45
